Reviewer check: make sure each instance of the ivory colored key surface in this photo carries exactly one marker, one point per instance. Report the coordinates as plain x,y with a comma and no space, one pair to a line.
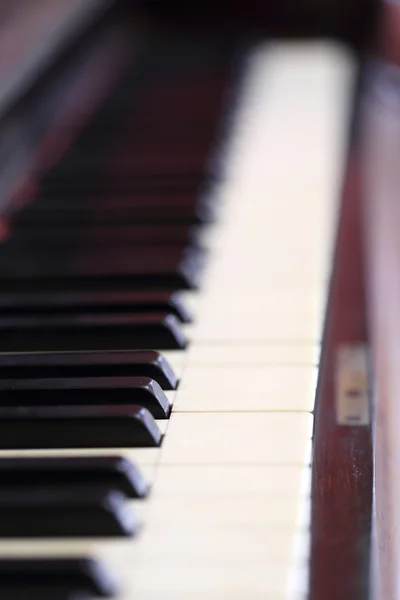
257,312
224,354
247,312
228,514
248,389
269,481
237,438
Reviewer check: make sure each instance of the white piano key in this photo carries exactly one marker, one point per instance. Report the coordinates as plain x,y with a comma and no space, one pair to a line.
273,481
226,570
283,243
244,355
266,388
292,217
268,262
189,544
238,438
167,543
273,492
284,313
232,495
34,547
298,578
220,511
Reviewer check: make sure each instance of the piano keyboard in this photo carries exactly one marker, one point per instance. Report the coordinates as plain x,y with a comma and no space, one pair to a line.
226,514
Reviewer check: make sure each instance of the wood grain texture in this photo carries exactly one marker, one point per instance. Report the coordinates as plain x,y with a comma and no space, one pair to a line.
342,467
381,181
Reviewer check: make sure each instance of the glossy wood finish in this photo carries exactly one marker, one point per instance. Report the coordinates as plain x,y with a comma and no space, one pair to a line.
342,467
381,181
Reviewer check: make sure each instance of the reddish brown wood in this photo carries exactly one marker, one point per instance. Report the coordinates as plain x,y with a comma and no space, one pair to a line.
342,467
381,181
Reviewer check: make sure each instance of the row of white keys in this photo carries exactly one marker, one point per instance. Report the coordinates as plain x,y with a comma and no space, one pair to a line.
228,515
229,512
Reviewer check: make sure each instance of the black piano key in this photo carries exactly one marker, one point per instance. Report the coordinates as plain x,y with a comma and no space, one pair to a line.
52,303
72,596
113,472
59,427
90,332
93,268
140,151
65,512
122,174
145,203
107,235
111,209
185,182
143,151
154,273
53,579
193,130
39,592
89,364
86,391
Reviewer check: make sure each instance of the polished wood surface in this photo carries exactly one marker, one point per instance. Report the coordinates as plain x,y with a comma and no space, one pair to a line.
342,467
381,218
380,182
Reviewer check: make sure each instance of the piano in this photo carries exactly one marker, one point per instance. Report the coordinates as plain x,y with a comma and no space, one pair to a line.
197,279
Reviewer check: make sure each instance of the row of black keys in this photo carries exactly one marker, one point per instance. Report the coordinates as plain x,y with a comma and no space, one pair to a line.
77,408
71,281
90,400
55,579
141,165
80,320
83,400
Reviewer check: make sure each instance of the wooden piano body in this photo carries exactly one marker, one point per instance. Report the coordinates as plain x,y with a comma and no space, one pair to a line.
343,456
